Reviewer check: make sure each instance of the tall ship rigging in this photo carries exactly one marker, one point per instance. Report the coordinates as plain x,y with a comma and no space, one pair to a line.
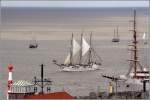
137,73
82,57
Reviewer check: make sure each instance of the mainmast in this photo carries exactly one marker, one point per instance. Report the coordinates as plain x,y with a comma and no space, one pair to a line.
135,43
134,60
114,33
117,33
80,61
90,52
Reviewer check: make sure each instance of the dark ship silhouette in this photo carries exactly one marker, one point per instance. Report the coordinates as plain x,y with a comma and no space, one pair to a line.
116,36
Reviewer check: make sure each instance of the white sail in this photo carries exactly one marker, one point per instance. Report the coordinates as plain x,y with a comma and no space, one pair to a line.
75,47
144,35
85,47
67,60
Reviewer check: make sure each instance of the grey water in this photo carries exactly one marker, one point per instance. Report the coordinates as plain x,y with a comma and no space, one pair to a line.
27,64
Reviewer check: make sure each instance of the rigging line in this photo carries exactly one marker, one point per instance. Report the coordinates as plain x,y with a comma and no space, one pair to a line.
86,60
131,66
95,53
96,56
141,67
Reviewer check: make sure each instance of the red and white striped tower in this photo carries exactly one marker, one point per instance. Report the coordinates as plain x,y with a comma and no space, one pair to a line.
10,81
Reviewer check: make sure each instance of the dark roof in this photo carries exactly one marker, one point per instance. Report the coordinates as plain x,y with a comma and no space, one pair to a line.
55,95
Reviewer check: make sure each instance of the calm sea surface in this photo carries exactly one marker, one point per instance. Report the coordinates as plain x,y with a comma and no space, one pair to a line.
26,64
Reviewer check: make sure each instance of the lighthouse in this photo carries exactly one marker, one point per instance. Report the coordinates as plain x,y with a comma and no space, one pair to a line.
10,81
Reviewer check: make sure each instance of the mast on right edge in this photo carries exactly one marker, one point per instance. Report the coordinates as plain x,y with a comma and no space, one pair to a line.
135,44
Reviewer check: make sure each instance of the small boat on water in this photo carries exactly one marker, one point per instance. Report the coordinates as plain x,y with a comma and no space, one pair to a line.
33,44
81,57
116,36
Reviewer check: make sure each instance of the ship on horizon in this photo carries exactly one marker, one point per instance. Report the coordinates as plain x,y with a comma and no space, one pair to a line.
116,36
33,43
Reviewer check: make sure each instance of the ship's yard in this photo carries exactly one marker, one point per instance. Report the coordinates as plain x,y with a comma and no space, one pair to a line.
36,70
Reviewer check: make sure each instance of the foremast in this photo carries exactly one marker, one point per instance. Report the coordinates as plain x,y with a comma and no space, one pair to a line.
71,51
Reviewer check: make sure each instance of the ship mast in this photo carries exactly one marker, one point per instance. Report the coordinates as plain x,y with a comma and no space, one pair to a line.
90,52
135,43
80,61
114,33
117,33
134,60
71,50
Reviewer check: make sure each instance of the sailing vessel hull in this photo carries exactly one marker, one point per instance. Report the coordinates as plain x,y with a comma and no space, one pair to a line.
115,40
74,64
140,76
80,68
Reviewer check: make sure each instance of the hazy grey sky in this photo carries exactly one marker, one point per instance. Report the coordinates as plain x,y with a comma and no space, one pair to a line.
41,3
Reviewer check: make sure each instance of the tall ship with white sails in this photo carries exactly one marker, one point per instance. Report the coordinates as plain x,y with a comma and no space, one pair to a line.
82,57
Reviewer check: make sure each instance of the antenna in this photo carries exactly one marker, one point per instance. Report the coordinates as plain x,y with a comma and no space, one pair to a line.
42,82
